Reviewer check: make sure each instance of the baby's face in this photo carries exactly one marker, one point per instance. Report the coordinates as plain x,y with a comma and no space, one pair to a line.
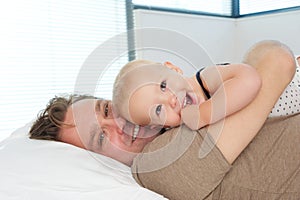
159,98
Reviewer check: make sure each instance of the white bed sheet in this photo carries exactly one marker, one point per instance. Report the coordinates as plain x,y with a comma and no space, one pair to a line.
48,170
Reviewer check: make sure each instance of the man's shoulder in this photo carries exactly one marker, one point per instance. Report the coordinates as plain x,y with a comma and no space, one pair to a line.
172,163
175,135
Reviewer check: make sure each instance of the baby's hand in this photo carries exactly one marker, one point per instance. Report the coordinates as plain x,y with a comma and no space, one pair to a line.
190,115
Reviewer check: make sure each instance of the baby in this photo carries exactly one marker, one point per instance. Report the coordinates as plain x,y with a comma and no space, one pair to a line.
147,93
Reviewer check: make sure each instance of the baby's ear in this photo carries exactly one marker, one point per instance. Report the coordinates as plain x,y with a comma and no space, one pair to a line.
173,67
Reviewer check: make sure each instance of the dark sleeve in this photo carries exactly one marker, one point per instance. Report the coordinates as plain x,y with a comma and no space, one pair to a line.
172,165
206,92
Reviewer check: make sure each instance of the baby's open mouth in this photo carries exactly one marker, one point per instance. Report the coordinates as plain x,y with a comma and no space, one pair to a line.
187,100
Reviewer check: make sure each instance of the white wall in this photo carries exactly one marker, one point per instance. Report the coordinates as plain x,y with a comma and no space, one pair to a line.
225,39
216,35
282,26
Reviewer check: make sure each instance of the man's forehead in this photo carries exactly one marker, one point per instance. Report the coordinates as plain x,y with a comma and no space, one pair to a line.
83,117
79,109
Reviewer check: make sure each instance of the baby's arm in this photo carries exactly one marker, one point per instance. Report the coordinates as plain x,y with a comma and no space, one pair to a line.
232,87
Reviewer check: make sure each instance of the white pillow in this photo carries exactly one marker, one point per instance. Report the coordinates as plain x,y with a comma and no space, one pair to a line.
49,170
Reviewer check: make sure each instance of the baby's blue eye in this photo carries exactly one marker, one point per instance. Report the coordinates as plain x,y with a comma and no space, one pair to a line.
163,85
158,110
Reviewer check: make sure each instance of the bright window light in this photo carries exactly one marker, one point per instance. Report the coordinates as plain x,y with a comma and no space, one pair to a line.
43,46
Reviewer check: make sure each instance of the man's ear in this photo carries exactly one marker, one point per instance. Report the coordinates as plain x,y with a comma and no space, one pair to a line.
173,67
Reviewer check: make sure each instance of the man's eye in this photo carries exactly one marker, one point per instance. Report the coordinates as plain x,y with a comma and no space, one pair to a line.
106,109
163,85
101,138
158,110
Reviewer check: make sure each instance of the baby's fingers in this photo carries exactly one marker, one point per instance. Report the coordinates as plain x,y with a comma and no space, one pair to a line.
190,116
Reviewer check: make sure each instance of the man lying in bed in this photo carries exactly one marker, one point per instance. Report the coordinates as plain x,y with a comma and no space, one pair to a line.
268,168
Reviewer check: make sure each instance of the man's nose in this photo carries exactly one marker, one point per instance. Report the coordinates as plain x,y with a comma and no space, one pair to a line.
114,124
118,123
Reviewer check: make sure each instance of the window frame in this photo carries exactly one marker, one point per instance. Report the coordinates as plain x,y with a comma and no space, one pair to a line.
235,10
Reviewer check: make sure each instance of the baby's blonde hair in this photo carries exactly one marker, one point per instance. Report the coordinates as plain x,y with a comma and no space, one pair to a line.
121,93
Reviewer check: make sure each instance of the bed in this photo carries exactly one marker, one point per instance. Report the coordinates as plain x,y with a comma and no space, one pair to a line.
48,170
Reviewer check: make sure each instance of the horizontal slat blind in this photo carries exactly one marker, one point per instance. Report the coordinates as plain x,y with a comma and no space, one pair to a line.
43,46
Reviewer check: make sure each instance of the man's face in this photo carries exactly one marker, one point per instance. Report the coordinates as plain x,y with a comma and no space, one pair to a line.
97,130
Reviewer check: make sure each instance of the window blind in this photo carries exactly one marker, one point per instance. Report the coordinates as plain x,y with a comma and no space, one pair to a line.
44,45
222,7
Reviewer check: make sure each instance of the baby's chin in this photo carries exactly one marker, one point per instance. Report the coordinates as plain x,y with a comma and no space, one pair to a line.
173,123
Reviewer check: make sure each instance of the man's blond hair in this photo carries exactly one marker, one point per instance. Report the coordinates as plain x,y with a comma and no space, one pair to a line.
121,93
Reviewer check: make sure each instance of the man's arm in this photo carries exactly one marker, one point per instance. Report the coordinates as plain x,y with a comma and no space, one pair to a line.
276,66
